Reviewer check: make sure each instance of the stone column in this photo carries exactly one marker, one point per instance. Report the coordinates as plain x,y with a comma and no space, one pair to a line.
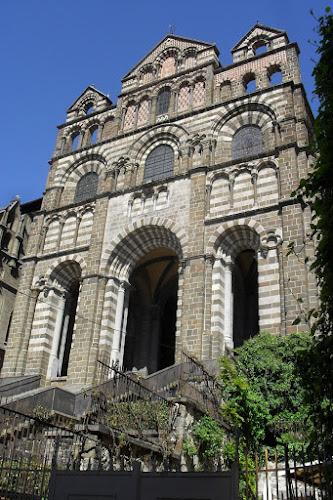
123,329
254,178
28,325
78,220
206,152
231,189
171,110
61,225
118,324
80,141
152,118
52,370
63,143
100,132
228,304
208,193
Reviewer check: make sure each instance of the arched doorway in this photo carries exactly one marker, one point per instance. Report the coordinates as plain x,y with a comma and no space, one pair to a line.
150,335
245,297
235,294
64,294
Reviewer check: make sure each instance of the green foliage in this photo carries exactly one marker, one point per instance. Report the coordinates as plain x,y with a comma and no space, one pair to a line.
262,392
206,440
138,415
243,407
208,434
316,365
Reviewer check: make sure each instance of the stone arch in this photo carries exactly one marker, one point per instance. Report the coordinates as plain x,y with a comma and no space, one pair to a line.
65,281
159,133
245,255
70,134
65,173
169,52
134,241
72,175
146,72
256,42
60,263
86,101
232,111
249,114
65,273
232,226
146,255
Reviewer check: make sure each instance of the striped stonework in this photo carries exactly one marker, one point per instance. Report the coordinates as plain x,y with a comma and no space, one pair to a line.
197,260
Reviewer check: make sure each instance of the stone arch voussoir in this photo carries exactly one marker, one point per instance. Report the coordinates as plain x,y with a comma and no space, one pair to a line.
126,249
232,227
65,260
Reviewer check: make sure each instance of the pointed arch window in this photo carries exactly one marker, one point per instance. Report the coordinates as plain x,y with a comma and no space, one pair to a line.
159,163
86,188
163,101
247,141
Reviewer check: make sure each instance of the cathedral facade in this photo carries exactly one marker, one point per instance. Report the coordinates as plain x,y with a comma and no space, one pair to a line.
166,217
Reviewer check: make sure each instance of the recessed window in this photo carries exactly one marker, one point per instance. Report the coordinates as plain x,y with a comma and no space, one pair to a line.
247,141
93,136
275,76
159,163
259,48
75,142
163,101
86,188
89,108
249,82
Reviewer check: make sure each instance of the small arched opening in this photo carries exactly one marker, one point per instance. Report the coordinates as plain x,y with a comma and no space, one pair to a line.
249,82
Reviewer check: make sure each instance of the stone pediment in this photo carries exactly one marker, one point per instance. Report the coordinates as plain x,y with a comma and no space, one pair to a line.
90,94
259,31
177,44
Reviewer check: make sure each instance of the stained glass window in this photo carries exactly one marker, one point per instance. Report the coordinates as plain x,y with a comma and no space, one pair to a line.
86,187
247,141
163,101
159,163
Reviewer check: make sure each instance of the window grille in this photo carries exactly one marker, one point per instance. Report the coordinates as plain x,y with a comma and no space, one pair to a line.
163,101
159,163
247,141
86,187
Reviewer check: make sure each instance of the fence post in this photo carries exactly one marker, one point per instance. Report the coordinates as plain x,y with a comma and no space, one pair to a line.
235,469
286,462
137,478
54,469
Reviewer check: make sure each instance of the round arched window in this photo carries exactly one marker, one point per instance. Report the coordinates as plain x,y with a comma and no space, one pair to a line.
247,141
159,163
163,101
86,188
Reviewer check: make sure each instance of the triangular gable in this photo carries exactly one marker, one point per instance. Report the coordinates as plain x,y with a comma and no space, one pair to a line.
90,90
257,31
169,41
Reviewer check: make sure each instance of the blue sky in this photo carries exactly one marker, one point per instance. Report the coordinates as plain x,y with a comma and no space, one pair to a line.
53,49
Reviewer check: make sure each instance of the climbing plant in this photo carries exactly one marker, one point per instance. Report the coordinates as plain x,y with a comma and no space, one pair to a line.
316,365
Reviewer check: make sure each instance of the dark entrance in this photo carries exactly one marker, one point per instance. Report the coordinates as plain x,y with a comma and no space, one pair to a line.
150,337
68,327
245,293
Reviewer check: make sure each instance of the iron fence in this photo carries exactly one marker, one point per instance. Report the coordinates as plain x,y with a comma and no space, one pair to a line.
287,474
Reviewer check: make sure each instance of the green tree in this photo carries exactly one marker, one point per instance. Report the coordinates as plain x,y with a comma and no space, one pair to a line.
316,365
262,391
